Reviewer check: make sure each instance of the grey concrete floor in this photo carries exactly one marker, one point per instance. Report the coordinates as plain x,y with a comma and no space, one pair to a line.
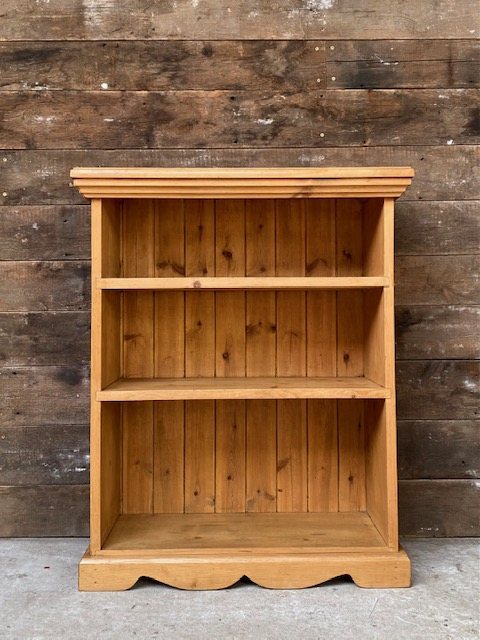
39,600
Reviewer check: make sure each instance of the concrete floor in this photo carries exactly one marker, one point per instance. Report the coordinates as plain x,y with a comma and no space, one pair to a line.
39,600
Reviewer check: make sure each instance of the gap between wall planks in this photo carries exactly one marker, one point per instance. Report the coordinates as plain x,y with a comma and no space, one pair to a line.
432,333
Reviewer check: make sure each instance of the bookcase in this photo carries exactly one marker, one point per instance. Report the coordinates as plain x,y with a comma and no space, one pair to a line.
242,381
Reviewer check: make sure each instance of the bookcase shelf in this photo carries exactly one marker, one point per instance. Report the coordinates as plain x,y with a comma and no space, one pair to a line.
238,283
242,385
131,389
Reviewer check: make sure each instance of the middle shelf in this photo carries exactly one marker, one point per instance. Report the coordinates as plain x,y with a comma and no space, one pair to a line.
137,389
239,283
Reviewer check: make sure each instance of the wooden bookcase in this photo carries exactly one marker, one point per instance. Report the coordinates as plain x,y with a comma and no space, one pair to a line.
242,386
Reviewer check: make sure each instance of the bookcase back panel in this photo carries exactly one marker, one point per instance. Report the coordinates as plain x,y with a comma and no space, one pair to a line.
289,237
246,456
170,334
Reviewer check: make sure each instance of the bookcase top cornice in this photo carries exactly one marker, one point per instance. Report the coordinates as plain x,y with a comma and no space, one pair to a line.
291,182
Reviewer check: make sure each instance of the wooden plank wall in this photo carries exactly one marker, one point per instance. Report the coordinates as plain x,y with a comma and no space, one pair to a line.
202,83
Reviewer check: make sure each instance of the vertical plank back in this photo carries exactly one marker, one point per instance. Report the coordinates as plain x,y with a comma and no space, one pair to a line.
138,260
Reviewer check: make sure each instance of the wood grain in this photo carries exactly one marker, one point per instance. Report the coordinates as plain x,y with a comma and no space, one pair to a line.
44,510
54,454
364,19
139,65
45,233
44,285
65,338
385,64
439,508
435,449
437,228
445,280
44,395
436,332
155,119
438,390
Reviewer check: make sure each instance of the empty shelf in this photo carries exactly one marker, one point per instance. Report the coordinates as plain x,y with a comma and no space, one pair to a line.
216,532
240,388
183,284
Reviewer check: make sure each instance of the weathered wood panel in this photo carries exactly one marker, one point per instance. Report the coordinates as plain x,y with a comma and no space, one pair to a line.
438,449
437,228
387,64
427,508
45,233
439,508
55,454
282,65
441,280
44,285
42,177
44,396
44,510
427,332
217,119
292,65
438,390
60,338
51,285
248,19
44,338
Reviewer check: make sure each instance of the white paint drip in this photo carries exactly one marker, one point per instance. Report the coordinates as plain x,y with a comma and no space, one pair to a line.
109,119
449,142
320,5
104,85
470,386
35,226
384,62
44,119
264,121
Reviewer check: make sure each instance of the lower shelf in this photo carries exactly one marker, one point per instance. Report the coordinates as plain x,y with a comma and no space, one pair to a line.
274,550
269,533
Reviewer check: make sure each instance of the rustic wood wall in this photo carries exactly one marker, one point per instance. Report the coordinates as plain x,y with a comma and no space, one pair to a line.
201,83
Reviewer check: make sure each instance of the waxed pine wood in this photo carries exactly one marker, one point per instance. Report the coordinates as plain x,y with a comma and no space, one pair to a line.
243,397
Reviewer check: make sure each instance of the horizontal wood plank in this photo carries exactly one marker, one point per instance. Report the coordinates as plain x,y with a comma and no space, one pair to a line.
437,228
427,508
439,508
435,332
441,173
44,510
282,65
244,20
58,232
217,119
440,280
44,285
45,233
44,338
415,63
438,449
142,65
438,390
44,396
54,454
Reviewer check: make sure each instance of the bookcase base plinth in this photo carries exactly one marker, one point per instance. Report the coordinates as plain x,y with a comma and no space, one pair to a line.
375,570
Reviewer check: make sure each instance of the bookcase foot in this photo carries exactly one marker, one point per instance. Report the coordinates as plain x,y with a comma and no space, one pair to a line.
379,570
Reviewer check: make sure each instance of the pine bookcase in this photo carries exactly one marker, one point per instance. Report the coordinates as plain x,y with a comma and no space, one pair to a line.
242,382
